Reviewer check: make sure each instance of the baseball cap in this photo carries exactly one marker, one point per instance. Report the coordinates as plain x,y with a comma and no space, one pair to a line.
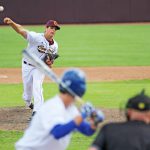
52,23
75,80
140,102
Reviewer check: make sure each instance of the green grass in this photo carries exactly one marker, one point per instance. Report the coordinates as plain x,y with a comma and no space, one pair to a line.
104,94
80,142
86,45
9,138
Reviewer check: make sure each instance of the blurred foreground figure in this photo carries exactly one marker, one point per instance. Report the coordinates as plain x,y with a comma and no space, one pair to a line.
134,134
52,126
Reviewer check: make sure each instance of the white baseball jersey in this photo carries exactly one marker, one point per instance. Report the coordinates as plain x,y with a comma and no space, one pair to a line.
38,137
38,41
32,77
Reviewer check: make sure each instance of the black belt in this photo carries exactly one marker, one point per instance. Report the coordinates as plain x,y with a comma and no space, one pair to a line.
27,63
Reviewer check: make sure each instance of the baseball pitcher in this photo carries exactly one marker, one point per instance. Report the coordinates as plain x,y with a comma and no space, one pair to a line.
52,126
43,46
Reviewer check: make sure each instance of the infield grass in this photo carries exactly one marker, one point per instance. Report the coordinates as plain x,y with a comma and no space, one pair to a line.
86,45
104,94
9,138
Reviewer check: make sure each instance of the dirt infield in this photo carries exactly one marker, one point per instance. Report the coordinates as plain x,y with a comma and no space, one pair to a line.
16,118
94,74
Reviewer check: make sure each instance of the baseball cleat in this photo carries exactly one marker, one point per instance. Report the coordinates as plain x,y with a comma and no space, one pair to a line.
31,106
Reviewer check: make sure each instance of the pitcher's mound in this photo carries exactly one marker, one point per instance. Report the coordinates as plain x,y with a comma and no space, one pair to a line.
16,118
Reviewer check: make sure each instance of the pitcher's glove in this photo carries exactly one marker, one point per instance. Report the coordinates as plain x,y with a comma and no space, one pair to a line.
49,58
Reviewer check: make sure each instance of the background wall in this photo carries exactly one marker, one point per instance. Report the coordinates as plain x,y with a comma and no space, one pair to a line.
76,11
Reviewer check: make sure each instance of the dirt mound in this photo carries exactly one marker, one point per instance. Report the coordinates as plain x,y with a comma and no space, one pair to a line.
14,118
17,118
94,74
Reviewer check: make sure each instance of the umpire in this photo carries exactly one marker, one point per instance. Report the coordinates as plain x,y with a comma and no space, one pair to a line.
134,134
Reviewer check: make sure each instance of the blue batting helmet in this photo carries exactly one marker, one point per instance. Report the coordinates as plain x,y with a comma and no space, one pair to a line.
75,80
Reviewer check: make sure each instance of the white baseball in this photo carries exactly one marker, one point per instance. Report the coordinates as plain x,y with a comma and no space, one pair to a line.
1,8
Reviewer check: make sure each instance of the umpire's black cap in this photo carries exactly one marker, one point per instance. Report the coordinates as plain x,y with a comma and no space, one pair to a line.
140,102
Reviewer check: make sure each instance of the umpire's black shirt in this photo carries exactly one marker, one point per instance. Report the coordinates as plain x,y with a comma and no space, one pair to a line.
131,135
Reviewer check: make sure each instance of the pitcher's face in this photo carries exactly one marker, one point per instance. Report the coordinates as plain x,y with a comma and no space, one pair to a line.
50,32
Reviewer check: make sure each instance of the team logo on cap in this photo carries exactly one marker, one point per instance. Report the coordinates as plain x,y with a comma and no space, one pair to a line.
141,106
68,82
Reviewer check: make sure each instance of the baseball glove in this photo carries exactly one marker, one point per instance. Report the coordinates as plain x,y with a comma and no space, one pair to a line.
49,58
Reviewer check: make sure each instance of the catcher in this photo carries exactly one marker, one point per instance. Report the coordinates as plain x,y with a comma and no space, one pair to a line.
43,46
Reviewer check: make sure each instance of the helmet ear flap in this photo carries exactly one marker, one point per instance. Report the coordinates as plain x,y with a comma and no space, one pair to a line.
63,90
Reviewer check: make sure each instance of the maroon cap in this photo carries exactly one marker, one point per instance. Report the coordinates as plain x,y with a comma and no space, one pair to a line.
53,23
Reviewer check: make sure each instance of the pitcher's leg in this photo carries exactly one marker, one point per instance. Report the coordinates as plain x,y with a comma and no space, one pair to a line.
27,93
27,84
38,78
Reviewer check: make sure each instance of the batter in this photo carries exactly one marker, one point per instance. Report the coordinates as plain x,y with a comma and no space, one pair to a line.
52,126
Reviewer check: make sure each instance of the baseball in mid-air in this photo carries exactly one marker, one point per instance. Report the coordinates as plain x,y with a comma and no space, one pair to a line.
1,8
